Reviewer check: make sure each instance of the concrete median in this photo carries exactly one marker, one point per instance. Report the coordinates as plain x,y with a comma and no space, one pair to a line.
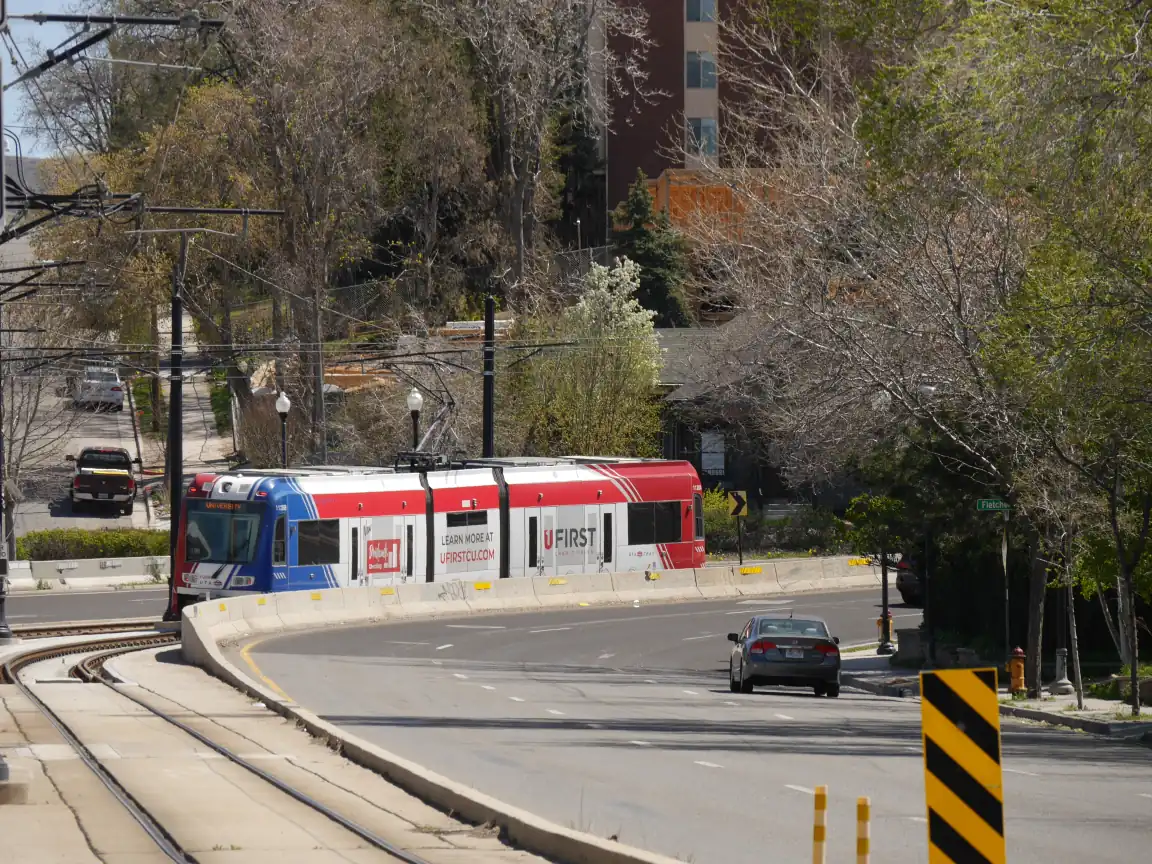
85,574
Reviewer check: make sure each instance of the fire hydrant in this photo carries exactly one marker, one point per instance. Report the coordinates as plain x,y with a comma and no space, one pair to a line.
1016,671
884,636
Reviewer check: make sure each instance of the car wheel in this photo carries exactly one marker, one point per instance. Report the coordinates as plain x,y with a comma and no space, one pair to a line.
832,690
907,598
128,508
745,686
819,688
733,684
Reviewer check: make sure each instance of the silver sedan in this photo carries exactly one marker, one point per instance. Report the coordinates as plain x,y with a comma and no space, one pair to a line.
777,649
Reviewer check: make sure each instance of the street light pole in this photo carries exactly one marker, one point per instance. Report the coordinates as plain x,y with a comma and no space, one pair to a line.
283,406
176,425
415,403
6,634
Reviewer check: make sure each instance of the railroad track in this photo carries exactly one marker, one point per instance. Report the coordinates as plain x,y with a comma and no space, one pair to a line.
83,628
91,670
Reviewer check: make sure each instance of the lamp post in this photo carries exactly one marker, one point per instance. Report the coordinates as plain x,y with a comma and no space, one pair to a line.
283,406
415,403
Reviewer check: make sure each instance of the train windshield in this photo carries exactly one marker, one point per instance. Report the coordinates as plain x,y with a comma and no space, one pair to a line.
222,532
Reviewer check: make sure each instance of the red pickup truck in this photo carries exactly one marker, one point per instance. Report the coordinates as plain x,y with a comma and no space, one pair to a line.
103,475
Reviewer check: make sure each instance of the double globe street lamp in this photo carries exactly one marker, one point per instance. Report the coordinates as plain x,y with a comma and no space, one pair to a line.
283,406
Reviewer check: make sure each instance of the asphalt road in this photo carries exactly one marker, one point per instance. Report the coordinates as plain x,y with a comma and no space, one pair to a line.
59,430
619,721
49,608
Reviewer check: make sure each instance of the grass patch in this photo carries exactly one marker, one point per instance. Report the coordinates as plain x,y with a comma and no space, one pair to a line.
221,398
142,396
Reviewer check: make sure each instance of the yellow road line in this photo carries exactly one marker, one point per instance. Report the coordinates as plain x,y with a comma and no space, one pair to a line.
256,669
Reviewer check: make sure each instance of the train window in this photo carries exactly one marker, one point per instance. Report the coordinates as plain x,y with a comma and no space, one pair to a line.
533,552
408,562
641,525
607,537
467,519
355,553
698,511
669,523
318,542
651,523
279,547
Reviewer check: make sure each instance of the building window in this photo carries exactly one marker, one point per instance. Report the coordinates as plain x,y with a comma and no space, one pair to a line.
702,10
702,136
318,542
651,523
712,453
701,70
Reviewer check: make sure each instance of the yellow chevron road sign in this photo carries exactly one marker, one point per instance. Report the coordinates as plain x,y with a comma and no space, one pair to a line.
960,719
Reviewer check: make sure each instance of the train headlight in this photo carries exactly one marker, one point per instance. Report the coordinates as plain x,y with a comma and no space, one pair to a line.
243,581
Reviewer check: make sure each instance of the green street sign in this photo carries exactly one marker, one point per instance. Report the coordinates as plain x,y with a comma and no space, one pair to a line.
992,505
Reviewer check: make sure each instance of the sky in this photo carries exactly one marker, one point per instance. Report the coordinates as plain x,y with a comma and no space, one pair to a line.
49,36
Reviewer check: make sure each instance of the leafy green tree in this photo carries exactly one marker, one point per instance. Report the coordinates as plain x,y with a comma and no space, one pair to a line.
648,239
596,394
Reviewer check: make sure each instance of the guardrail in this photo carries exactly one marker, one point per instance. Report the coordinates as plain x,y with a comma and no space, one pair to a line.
84,573
206,625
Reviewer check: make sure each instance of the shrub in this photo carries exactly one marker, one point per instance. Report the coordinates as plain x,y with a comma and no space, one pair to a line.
60,544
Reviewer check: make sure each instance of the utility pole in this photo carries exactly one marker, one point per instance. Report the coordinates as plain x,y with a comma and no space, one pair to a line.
6,634
489,377
176,421
319,419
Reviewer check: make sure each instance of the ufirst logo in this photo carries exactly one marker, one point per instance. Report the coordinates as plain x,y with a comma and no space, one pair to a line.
569,538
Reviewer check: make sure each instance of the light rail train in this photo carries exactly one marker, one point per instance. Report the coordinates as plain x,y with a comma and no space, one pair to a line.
260,531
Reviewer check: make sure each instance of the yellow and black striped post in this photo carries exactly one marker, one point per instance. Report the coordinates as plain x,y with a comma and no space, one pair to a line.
863,834
820,825
960,717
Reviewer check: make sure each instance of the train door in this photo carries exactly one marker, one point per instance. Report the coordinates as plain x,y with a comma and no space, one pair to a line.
381,557
605,516
411,544
360,542
539,541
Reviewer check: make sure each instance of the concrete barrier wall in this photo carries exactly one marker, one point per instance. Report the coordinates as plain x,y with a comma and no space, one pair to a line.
85,573
206,625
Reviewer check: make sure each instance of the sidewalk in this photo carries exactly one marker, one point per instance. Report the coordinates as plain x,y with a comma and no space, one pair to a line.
875,674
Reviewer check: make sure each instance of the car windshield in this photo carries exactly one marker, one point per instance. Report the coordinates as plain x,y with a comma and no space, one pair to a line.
221,537
101,375
97,459
799,627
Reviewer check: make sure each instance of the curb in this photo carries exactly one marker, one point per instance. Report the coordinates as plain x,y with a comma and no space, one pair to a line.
908,690
1124,730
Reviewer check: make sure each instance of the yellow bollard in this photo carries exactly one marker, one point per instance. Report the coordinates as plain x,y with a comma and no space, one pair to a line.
818,828
863,817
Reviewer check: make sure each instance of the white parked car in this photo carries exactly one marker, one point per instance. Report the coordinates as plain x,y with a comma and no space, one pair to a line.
100,387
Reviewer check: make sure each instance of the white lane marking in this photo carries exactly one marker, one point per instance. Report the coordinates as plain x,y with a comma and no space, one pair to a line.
605,656
637,743
476,626
649,680
550,630
690,692
920,819
437,662
766,602
515,698
589,725
726,703
487,686
34,616
442,647
1145,795
752,611
803,789
395,642
694,638
912,749
554,711
784,717
708,764
458,675
1016,771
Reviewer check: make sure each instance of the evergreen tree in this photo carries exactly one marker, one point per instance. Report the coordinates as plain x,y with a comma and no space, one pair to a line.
648,239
